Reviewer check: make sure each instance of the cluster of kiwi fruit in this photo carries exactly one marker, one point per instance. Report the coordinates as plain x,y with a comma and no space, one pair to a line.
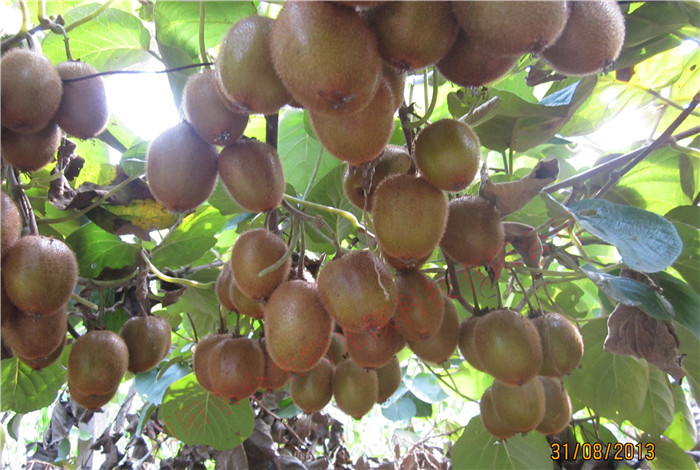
527,358
40,102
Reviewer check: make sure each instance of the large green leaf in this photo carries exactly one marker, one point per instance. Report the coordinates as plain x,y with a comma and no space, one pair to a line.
657,412
24,389
687,221
667,455
682,430
614,386
96,250
689,350
196,417
685,301
647,242
477,449
114,40
426,387
152,385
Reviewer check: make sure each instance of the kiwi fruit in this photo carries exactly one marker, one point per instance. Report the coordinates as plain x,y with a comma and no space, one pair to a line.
33,336
439,347
405,264
420,308
313,390
297,326
409,216
31,91
374,347
508,346
308,38
252,173
360,182
148,341
466,343
274,377
97,363
44,362
519,407
357,290
512,27
562,344
388,379
90,401
39,274
468,66
474,232
224,287
490,419
245,73
360,137
591,41
205,110
557,404
338,348
181,168
83,111
448,154
203,357
254,251
245,305
397,81
236,367
10,224
412,35
355,389
31,152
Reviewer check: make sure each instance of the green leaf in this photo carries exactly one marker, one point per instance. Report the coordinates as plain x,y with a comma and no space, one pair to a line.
685,301
133,161
689,349
196,417
189,241
426,387
686,219
152,385
667,455
631,292
682,430
613,386
222,200
423,409
97,168
477,449
96,250
657,412
24,389
402,409
647,242
114,40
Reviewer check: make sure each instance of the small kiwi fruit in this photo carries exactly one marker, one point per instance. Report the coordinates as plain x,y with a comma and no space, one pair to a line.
420,308
31,91
357,290
519,407
224,286
355,389
202,359
181,168
274,377
83,111
39,274
252,173
207,113
10,224
490,419
90,401
33,336
466,343
397,81
562,344
388,379
254,251
313,390
148,341
307,40
97,363
591,41
439,347
245,74
338,348
409,216
374,347
448,154
404,264
236,367
297,326
557,404
31,152
44,362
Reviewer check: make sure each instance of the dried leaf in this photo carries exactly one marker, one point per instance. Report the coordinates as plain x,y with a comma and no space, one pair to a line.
510,196
232,458
525,241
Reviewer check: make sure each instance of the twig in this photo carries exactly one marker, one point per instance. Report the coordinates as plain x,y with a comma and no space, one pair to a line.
455,291
175,280
202,22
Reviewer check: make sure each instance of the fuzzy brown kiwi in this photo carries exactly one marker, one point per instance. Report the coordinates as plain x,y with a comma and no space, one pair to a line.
252,173
236,367
313,390
83,111
207,113
373,348
519,407
420,308
33,336
562,344
466,343
224,286
46,361
439,347
397,81
338,348
97,362
254,251
39,274
148,341
31,91
31,152
557,404
274,377
310,37
490,419
90,401
181,168
202,359
388,379
10,224
355,389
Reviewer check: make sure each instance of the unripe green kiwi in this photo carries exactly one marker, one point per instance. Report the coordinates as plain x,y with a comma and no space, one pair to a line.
439,347
39,274
254,251
355,389
97,363
148,341
83,110
245,74
448,154
388,379
308,39
181,168
562,344
360,137
31,152
10,224
252,173
409,216
33,336
207,113
313,390
31,91
420,308
490,419
236,367
591,41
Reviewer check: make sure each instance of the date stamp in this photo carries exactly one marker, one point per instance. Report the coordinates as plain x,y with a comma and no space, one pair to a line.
600,451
